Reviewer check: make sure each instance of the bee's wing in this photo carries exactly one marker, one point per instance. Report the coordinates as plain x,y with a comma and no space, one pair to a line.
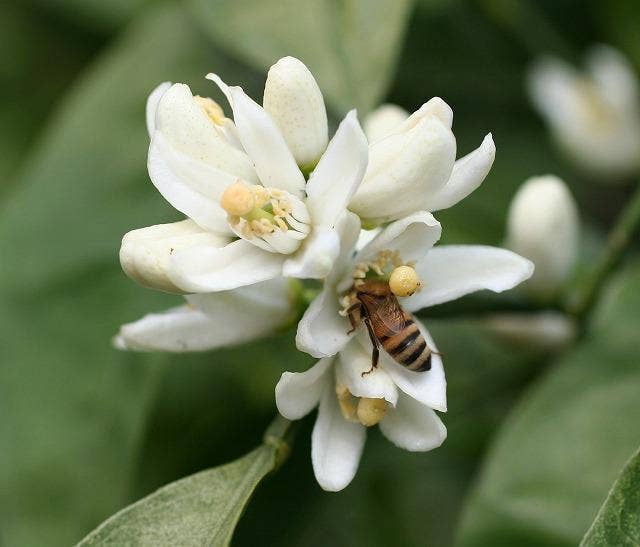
386,314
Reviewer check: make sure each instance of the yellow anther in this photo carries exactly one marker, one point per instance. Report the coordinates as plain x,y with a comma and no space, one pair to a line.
371,411
238,199
404,281
211,109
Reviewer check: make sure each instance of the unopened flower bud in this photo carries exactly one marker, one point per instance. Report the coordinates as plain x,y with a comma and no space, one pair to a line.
383,120
294,101
404,281
543,226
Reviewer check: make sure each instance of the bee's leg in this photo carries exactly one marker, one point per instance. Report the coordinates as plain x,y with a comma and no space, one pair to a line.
351,315
375,354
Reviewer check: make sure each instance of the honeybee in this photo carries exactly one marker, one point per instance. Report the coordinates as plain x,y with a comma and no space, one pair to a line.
388,325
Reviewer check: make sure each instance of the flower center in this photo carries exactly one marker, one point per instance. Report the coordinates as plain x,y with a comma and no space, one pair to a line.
271,218
389,266
365,410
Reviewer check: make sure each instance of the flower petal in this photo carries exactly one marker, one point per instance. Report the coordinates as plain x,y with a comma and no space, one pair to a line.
468,173
353,360
152,106
322,331
451,271
405,171
211,321
337,176
428,388
189,185
294,101
189,130
145,253
298,393
336,444
204,269
413,426
325,252
263,141
315,257
411,236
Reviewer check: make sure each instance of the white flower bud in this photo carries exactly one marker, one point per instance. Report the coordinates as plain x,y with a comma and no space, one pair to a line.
543,226
383,120
145,253
595,115
294,101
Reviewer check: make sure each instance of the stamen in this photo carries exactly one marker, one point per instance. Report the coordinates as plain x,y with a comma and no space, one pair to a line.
404,281
264,215
211,109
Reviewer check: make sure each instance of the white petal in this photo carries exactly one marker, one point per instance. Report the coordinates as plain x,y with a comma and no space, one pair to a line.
336,445
191,186
353,360
413,426
254,309
468,173
263,141
209,269
294,101
429,387
451,271
366,237
152,106
190,131
412,236
405,171
315,257
322,331
383,120
145,253
433,107
340,171
211,321
325,253
298,393
615,77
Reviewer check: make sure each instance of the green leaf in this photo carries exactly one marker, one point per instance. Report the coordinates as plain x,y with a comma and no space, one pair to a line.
562,447
202,509
618,521
351,46
74,410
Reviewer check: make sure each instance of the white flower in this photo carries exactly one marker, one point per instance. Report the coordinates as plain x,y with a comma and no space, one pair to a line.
210,321
401,401
252,215
542,225
595,115
412,163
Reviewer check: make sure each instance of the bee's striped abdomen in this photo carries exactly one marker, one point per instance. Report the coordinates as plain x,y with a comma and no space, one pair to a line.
408,347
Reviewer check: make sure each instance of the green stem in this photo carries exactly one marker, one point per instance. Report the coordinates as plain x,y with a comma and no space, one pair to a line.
280,435
626,227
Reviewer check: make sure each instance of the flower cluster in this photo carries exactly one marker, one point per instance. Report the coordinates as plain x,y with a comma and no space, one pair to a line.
269,198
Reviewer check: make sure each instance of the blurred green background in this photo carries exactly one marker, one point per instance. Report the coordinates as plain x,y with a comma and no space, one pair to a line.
535,439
